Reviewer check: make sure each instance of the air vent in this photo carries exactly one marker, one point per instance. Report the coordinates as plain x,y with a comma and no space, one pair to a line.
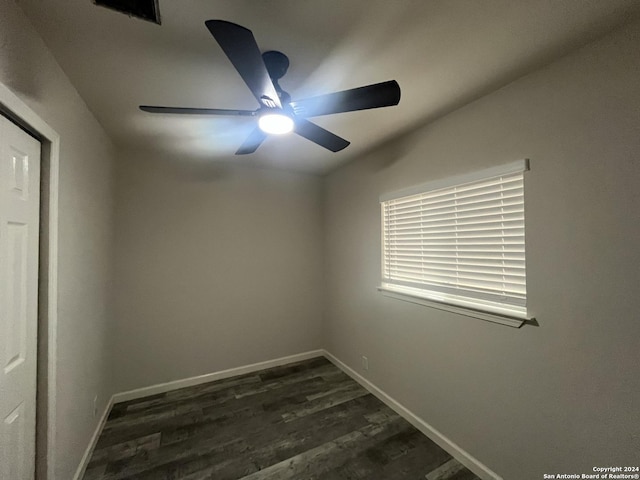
144,9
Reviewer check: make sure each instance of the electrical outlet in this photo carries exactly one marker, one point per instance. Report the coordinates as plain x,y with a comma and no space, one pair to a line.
95,406
365,363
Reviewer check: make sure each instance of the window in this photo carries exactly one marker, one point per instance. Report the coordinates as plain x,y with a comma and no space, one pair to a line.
459,242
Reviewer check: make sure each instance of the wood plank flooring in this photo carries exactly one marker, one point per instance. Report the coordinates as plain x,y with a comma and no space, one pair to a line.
302,421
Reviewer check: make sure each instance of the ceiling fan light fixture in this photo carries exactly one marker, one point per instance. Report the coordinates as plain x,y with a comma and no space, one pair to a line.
275,123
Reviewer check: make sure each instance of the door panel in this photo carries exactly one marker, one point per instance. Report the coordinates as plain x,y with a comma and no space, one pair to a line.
19,230
14,431
15,321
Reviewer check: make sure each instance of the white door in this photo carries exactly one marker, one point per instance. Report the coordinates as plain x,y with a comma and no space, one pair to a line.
19,230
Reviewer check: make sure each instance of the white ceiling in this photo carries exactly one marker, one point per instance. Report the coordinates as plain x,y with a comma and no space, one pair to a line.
442,53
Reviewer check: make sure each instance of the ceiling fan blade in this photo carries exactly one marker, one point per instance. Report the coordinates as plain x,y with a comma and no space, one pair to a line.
241,48
253,141
197,111
319,135
385,94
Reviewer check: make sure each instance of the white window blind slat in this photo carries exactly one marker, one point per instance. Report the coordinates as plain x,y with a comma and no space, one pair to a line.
423,202
465,219
463,240
506,183
496,205
491,271
471,263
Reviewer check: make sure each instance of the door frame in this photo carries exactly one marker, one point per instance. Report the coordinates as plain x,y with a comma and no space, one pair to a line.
19,112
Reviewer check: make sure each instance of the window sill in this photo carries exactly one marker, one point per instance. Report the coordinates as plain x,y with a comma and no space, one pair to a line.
509,320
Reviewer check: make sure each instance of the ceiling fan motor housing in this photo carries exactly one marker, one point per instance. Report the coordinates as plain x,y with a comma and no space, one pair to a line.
277,64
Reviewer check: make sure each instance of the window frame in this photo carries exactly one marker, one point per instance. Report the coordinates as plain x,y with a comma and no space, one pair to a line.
467,306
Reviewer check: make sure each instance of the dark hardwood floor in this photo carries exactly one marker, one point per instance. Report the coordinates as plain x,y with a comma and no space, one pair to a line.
302,421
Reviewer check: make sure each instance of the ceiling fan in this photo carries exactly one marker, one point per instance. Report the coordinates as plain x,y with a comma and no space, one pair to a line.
277,114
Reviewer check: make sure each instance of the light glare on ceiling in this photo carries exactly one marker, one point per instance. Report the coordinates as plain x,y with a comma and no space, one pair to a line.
275,123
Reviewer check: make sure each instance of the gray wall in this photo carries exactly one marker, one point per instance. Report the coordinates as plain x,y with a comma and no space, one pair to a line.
85,232
557,398
217,267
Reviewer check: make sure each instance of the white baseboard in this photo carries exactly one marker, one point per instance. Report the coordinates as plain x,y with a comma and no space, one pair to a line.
454,450
210,377
94,440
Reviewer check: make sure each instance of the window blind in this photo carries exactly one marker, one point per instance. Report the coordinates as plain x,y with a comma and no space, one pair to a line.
464,241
